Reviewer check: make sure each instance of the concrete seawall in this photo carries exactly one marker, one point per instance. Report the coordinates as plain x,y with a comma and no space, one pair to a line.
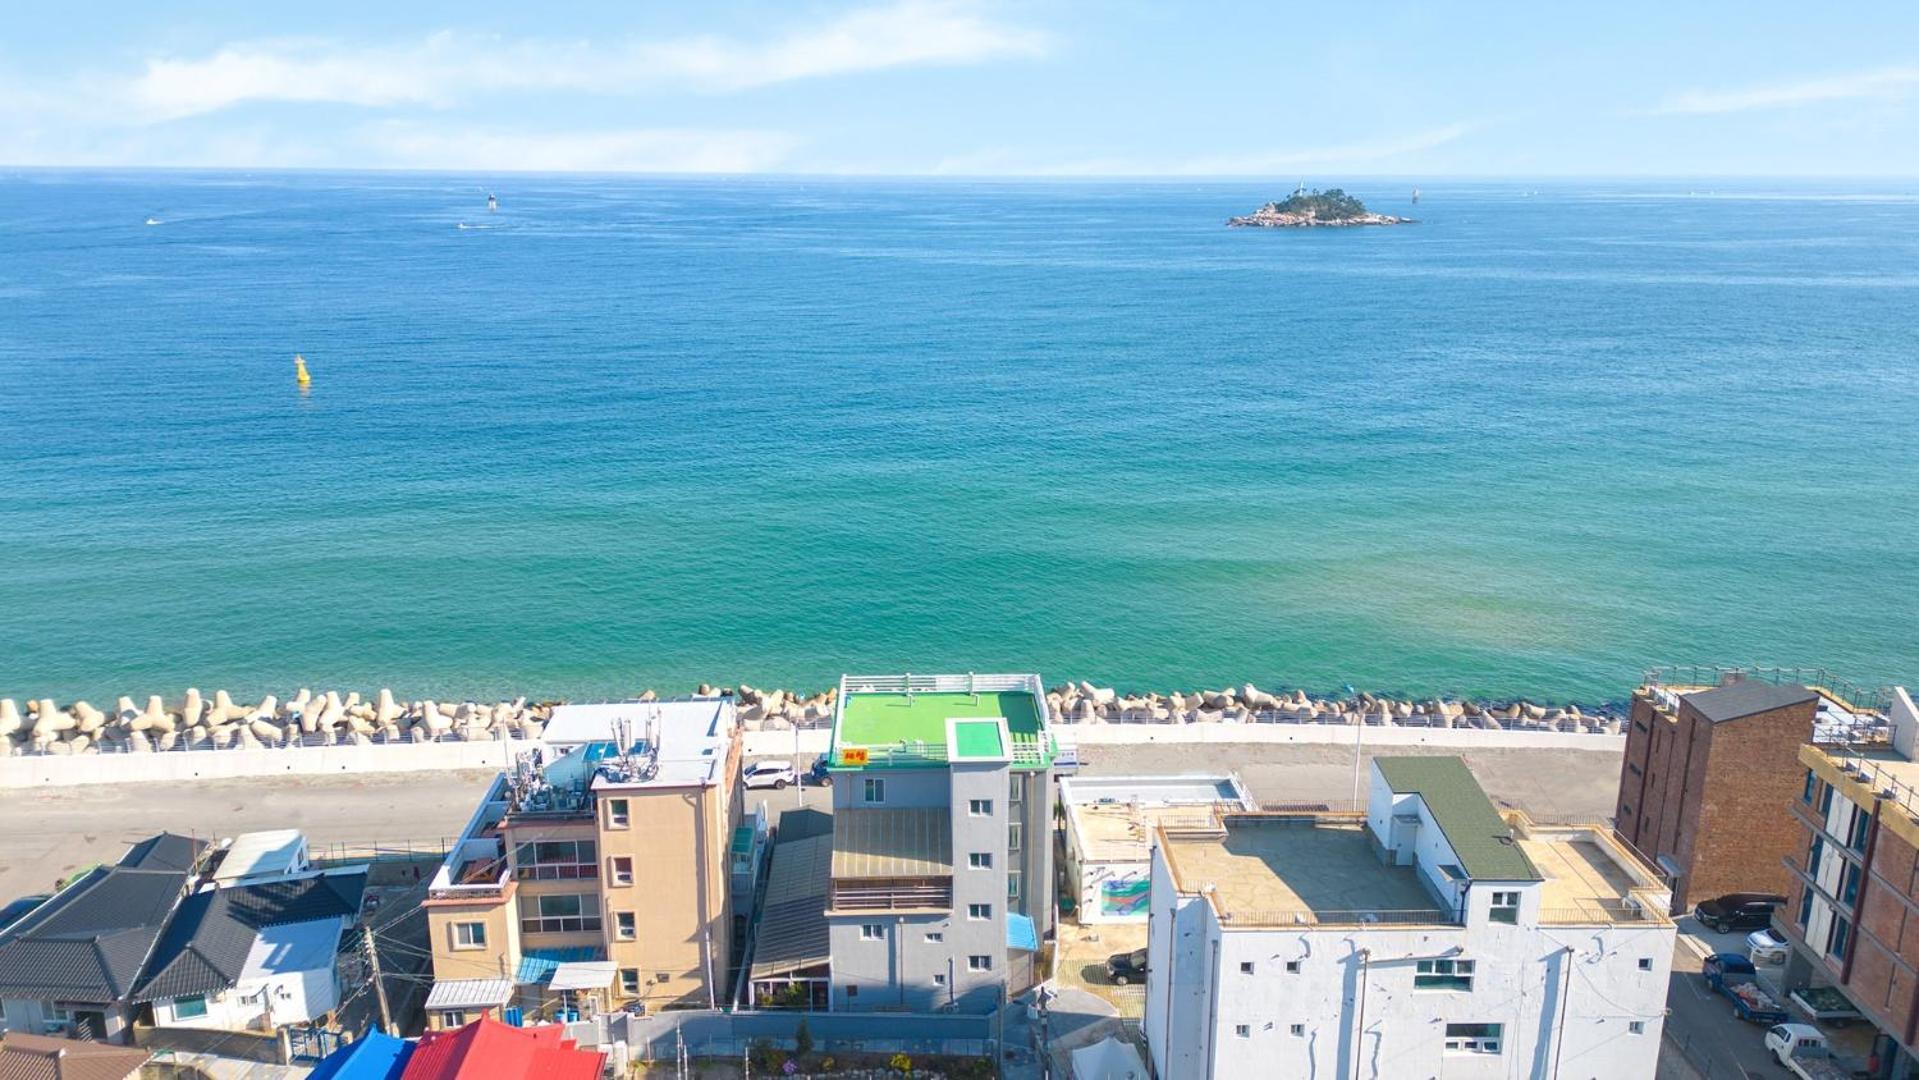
43,771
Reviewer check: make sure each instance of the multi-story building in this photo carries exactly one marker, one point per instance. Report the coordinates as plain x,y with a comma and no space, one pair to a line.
942,864
1707,774
596,874
1853,914
1429,936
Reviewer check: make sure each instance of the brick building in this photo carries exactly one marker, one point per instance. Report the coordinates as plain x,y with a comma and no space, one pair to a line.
1707,780
1854,915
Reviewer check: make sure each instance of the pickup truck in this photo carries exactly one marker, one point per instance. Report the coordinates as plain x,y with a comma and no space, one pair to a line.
1732,975
1801,1048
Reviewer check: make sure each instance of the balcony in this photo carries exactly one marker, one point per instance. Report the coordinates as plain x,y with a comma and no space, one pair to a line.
906,894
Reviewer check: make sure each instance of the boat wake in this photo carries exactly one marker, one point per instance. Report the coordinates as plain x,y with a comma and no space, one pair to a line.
155,221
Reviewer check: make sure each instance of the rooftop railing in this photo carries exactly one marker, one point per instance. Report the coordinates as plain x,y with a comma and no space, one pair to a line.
1854,696
1586,912
1883,782
1331,917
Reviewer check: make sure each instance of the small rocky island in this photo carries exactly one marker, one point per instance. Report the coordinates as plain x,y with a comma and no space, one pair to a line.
1314,209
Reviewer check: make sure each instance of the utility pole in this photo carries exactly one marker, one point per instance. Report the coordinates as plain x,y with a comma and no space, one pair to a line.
379,984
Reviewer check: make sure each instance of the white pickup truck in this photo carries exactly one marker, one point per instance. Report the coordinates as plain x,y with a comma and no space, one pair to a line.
1803,1049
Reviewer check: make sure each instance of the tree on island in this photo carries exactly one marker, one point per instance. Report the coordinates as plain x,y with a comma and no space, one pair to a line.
1331,203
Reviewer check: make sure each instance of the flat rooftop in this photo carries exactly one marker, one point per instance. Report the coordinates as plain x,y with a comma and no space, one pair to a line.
908,720
1152,790
1122,832
691,734
1590,879
1284,870
891,719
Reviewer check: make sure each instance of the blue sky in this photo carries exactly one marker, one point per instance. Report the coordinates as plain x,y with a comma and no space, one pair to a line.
970,87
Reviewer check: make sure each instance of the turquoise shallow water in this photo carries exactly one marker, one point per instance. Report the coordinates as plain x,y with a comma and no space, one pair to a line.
648,432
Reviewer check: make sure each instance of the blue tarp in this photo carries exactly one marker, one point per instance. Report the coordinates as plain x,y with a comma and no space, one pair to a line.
377,1057
1020,933
536,965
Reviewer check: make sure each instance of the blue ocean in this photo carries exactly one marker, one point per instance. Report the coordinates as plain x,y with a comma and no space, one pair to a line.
632,432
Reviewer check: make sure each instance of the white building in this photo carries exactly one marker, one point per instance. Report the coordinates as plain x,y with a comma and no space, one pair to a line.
1429,937
1110,822
261,856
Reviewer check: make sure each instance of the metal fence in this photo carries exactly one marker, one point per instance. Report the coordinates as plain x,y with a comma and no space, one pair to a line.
706,1033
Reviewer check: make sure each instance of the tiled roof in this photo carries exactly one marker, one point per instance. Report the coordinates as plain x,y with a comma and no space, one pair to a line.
165,851
892,843
206,945
1478,835
89,942
375,1056
40,1057
1747,697
489,1050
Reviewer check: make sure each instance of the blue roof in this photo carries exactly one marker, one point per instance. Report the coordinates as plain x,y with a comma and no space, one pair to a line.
536,965
379,1056
1021,934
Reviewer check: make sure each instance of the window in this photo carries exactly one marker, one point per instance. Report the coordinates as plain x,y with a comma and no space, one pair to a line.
873,789
190,1008
1635,1027
469,935
629,980
934,937
556,860
1812,782
1634,769
560,913
979,911
55,1012
939,978
1505,908
1015,790
1825,801
1849,892
1836,938
1292,967
1245,967
1805,908
623,925
980,807
1298,1030
1014,833
1625,809
1645,963
1861,824
977,962
980,860
1641,725
1243,1031
1472,1038
1443,975
1812,857
452,1018
872,932
1012,884
618,813
622,866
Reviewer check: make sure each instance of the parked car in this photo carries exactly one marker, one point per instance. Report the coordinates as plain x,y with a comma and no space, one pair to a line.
1766,947
1803,1049
818,775
1737,911
1732,975
1126,967
773,774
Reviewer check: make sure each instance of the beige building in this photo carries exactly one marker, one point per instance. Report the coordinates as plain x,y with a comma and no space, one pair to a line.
597,873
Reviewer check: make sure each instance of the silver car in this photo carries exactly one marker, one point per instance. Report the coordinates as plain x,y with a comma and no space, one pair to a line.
773,774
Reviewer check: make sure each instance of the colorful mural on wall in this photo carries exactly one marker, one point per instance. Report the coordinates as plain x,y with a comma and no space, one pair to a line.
1125,896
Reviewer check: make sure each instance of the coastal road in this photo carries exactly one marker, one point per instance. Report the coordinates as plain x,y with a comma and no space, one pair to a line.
48,832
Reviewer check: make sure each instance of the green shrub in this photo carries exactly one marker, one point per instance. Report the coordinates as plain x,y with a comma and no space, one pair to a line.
902,1064
803,1040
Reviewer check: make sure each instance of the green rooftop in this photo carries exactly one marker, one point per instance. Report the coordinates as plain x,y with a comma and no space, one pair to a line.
1478,835
976,739
911,729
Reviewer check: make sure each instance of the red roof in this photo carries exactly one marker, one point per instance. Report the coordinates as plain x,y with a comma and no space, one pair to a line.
489,1050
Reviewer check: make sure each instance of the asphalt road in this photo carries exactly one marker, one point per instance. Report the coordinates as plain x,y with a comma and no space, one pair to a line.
47,833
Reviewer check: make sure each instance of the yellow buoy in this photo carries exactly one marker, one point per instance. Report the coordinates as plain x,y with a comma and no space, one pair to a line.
300,371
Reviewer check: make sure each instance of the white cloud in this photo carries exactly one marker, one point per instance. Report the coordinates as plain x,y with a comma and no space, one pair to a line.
1891,82
447,67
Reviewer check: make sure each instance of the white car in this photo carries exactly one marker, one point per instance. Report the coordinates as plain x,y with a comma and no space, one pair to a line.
1766,947
773,774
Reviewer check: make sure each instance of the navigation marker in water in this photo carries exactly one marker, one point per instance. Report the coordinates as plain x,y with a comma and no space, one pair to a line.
300,371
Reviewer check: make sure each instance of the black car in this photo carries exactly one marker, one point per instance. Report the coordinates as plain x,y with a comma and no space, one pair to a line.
1126,967
817,775
1738,911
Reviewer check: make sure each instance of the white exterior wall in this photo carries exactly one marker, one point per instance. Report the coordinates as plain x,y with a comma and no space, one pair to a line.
1197,996
1093,877
297,997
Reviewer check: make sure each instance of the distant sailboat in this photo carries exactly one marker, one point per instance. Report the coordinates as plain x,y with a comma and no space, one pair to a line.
1415,196
492,204
155,221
